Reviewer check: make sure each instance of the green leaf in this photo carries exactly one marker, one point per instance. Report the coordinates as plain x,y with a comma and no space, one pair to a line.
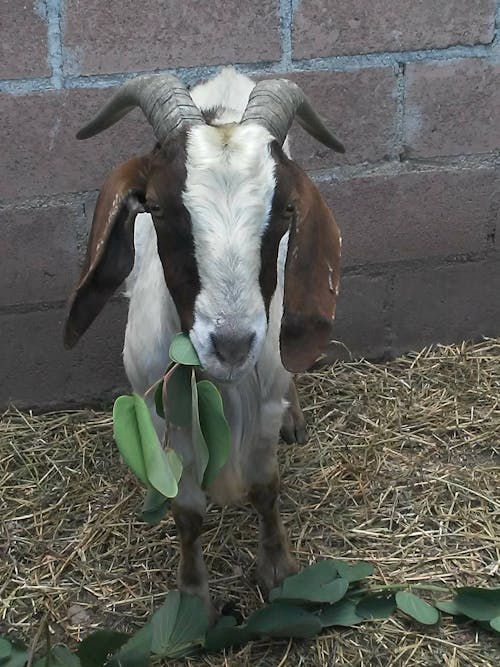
341,613
215,429
481,604
18,656
60,656
158,465
317,583
95,649
178,396
128,436
182,351
376,606
227,633
354,572
155,507
136,651
495,623
200,449
448,607
417,608
283,620
179,625
159,400
5,650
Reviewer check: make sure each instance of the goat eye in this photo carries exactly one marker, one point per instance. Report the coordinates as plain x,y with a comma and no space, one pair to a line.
290,208
153,207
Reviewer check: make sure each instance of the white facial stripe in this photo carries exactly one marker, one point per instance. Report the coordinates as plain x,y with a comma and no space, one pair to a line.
228,193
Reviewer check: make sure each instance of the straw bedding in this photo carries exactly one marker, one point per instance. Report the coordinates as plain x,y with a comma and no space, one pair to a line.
402,469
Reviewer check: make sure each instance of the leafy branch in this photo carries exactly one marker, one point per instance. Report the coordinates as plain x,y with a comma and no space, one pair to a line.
322,595
184,402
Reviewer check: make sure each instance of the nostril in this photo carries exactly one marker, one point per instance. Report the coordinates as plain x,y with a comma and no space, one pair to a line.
232,348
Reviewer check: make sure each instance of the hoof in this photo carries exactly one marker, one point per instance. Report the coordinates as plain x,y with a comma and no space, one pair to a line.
294,428
271,571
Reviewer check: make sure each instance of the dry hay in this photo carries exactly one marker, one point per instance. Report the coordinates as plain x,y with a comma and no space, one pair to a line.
401,469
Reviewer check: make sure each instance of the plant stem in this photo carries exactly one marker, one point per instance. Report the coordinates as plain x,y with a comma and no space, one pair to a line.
171,367
396,587
43,626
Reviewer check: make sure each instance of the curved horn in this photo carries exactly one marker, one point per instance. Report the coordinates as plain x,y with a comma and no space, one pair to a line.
164,99
275,102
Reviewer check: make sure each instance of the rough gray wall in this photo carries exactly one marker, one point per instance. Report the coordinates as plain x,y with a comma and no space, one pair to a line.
412,88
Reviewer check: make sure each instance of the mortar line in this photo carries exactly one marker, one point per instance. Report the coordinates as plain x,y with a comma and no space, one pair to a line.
192,74
54,10
286,17
400,112
496,37
397,168
339,173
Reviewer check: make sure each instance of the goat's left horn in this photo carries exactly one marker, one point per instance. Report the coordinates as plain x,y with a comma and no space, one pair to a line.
274,104
164,99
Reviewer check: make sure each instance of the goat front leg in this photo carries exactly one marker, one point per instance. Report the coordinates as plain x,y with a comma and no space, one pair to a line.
293,428
274,559
192,575
188,509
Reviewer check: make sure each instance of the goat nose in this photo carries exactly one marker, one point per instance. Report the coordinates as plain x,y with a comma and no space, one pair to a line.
232,348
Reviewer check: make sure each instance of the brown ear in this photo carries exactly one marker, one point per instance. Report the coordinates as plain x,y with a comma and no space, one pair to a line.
312,272
110,249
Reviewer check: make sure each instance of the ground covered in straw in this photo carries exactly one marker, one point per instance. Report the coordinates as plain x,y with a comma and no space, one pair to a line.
402,469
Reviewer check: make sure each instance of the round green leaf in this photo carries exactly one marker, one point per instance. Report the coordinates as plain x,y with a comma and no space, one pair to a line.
215,429
448,607
155,507
417,608
160,411
60,656
179,625
316,583
376,606
5,649
495,623
354,572
200,449
158,470
227,633
182,351
17,658
481,604
341,613
128,436
94,650
136,651
177,396
283,620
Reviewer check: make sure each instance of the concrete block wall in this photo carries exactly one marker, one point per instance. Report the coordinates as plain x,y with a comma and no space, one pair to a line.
412,88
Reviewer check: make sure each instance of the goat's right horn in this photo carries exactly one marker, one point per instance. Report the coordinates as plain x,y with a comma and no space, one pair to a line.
164,99
274,103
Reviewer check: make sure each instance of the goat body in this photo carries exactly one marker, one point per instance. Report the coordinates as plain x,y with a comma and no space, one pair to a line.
240,215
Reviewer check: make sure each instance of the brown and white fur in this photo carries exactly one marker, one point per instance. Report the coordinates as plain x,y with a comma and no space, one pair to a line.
214,257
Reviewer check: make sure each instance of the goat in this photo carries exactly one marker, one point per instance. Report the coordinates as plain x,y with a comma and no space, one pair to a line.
234,245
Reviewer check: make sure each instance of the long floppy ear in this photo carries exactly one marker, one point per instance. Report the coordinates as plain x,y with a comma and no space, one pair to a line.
110,249
312,272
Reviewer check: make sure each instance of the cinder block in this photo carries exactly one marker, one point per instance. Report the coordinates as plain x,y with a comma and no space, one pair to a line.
334,27
446,304
360,320
38,372
452,107
23,40
360,108
40,153
121,36
412,216
39,252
